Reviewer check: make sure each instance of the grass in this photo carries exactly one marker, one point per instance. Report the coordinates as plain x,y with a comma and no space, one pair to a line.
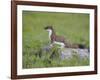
74,27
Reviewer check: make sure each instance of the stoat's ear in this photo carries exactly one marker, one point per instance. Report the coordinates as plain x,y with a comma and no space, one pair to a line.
48,27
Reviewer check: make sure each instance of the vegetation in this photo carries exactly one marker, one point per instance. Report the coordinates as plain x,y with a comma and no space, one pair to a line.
75,28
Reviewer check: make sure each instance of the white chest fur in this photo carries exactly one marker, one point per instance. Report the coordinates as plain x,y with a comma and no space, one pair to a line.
55,42
50,32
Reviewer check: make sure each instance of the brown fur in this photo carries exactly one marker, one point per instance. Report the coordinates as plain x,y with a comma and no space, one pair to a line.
57,38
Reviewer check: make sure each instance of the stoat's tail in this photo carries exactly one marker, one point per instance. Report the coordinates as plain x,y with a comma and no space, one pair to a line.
81,46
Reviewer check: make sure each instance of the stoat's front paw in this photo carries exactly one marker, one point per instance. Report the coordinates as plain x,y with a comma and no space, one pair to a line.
51,45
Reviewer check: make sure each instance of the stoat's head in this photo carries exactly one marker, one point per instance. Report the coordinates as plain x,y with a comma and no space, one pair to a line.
49,28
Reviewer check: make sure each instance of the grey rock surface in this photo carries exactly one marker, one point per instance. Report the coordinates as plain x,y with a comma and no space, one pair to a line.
69,52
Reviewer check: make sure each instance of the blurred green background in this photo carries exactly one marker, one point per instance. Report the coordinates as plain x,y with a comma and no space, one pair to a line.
73,26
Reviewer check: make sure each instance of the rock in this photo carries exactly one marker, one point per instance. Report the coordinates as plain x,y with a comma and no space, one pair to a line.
83,53
66,54
46,48
69,52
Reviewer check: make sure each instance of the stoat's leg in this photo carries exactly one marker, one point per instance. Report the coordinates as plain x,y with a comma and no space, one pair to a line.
51,45
62,45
